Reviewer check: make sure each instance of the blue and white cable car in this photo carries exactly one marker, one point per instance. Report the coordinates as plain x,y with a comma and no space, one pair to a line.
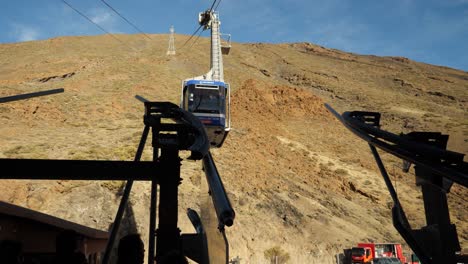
208,96
209,101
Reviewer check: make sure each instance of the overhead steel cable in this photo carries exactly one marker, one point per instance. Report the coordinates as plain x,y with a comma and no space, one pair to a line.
194,33
130,23
195,41
101,28
214,2
216,7
191,36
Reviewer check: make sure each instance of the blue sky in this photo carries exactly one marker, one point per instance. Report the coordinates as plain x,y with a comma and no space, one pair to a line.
431,31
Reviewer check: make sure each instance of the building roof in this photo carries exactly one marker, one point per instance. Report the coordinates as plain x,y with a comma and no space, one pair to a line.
22,212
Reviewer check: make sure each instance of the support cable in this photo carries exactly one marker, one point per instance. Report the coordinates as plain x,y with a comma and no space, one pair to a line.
214,2
130,23
195,41
194,33
216,7
101,28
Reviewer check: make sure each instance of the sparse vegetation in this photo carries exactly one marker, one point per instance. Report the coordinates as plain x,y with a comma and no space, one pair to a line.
98,118
113,186
27,152
276,255
341,172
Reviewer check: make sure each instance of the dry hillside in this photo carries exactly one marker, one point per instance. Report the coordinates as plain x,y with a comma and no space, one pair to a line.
296,177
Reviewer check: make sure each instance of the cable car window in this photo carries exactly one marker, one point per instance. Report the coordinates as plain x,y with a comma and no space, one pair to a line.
185,99
208,100
204,86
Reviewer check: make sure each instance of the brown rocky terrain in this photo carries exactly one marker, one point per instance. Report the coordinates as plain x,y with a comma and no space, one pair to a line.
296,177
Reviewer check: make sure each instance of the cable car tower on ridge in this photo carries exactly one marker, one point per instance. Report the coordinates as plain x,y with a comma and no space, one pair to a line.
171,48
208,96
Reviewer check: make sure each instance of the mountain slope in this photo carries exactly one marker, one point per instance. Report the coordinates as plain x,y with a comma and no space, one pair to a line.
296,177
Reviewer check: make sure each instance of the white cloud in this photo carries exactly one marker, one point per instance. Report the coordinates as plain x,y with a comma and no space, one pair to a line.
104,18
24,33
61,20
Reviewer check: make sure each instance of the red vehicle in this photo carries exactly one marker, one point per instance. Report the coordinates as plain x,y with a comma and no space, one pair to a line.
361,255
385,250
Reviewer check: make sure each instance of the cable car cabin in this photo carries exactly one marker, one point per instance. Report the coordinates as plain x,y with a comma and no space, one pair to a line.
225,43
210,102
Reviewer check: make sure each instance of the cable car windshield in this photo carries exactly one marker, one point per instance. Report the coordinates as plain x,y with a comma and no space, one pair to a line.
208,100
357,251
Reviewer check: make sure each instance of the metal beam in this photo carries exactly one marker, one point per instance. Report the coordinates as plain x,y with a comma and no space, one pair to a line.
221,201
436,169
29,95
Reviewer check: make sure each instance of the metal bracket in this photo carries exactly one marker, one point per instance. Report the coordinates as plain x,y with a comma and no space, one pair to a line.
436,170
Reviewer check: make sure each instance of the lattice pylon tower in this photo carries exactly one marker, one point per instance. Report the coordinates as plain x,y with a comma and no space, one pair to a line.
171,49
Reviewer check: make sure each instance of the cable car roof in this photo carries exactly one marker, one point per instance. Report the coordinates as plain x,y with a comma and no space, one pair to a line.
205,82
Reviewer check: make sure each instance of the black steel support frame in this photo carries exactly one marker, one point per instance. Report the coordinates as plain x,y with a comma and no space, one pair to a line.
166,143
29,95
436,169
124,200
167,140
221,202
